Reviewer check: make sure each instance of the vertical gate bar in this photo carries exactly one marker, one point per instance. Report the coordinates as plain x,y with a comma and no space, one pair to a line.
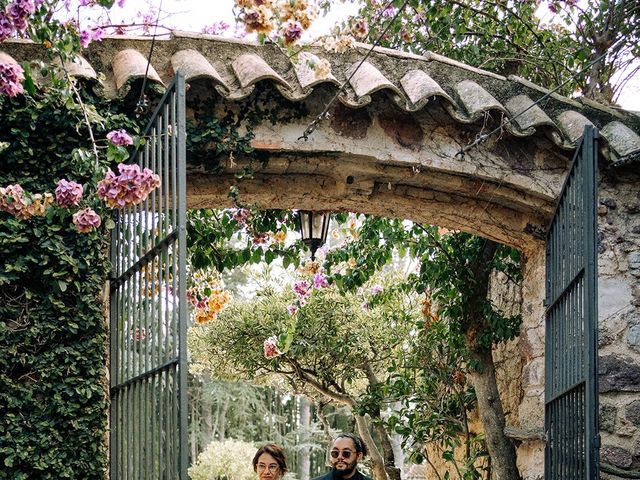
121,358
182,241
171,319
555,441
591,306
113,320
167,414
153,418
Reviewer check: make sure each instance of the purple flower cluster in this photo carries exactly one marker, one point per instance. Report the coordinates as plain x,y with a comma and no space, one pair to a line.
302,288
95,35
15,201
292,31
129,188
320,281
120,137
11,77
271,348
12,200
86,220
241,216
6,27
216,28
68,193
18,11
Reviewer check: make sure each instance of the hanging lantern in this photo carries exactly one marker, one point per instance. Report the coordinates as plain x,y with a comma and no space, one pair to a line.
314,227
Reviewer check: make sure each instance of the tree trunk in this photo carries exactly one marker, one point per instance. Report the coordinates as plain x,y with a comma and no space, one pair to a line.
501,450
222,421
377,461
393,472
304,452
483,378
196,423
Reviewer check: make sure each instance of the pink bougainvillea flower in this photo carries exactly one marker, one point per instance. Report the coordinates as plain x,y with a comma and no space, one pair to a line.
260,238
12,200
6,27
271,348
86,220
376,289
11,77
120,137
85,38
360,28
292,309
302,288
320,281
291,31
216,28
241,216
19,11
97,34
130,187
68,193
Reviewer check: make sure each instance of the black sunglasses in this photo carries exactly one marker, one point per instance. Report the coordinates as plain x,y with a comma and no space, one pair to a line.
346,454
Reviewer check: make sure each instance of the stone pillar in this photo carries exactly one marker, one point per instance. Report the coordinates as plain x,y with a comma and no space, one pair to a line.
530,415
619,322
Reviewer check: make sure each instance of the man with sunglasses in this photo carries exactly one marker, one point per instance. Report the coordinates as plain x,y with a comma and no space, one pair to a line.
346,451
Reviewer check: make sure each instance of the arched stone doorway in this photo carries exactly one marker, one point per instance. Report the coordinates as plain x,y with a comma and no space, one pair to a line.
391,147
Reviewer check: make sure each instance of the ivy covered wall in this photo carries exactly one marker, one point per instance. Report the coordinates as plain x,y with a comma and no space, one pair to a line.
53,332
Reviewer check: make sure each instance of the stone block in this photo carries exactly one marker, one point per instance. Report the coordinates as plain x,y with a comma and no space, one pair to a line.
533,373
633,337
632,413
614,294
608,415
532,342
617,373
617,456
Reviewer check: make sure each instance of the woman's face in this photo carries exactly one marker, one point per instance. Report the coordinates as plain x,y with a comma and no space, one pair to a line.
268,468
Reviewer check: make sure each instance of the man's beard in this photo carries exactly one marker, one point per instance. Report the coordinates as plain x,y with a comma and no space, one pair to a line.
340,472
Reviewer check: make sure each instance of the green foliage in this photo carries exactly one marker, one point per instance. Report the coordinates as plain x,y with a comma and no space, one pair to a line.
53,339
230,459
335,339
219,241
428,380
444,271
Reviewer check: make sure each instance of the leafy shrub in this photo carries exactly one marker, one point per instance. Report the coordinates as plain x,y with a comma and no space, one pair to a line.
227,460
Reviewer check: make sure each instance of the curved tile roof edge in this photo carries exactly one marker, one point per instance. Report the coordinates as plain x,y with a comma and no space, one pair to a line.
560,120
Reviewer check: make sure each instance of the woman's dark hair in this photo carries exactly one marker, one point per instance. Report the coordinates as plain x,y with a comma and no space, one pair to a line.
276,451
361,447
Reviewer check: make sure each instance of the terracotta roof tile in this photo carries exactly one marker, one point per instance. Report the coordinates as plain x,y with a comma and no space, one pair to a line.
411,81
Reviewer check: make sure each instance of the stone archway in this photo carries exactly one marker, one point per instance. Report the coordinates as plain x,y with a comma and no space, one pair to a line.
389,147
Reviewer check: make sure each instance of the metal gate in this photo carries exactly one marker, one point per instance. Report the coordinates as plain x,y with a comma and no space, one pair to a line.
571,386
148,437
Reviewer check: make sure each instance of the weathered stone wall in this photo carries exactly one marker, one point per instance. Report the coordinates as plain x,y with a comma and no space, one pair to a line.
619,320
619,340
520,363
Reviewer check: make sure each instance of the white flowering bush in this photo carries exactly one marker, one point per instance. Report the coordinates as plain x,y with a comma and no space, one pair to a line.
228,460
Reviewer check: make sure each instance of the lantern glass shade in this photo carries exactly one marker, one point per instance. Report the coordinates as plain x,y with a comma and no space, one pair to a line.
314,227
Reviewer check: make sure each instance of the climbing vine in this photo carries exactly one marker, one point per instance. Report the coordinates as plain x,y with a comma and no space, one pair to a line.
53,270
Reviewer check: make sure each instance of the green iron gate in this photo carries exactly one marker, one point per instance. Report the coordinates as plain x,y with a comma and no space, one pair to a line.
148,438
571,387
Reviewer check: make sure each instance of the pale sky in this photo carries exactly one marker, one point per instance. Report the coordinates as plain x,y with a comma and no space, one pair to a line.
194,15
